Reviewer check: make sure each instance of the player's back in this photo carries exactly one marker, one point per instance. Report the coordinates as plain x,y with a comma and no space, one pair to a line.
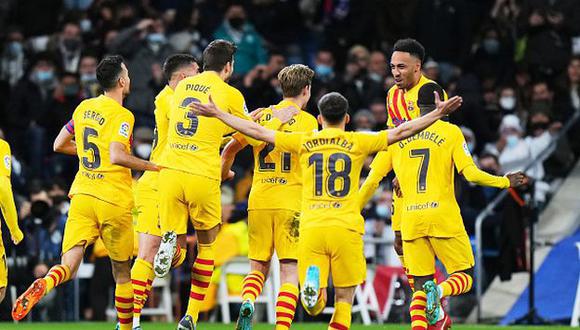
98,122
331,161
193,142
424,165
277,181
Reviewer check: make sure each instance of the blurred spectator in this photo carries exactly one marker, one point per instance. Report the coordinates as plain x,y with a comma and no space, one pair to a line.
358,88
260,85
88,76
142,142
431,70
493,56
67,46
29,103
66,97
378,67
364,121
376,227
238,30
188,38
549,25
379,112
470,140
512,151
13,60
145,46
326,79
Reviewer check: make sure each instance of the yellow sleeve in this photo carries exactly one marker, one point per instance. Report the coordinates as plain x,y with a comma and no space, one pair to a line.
374,142
466,166
290,142
9,209
123,128
380,167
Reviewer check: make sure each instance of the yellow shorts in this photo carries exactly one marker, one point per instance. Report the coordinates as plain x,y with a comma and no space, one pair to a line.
3,266
147,204
90,218
454,252
273,229
183,195
334,250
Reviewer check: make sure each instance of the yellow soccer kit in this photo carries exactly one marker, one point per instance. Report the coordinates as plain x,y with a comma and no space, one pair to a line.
147,200
101,193
424,165
276,194
331,226
189,183
7,207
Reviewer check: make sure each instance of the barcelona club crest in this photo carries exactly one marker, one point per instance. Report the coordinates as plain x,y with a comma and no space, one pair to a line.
411,106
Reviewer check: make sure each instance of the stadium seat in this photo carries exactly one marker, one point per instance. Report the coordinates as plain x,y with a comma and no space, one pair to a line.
574,322
241,266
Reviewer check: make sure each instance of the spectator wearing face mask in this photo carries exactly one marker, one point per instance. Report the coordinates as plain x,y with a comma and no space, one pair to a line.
376,226
145,47
511,149
377,108
492,57
188,38
66,97
67,46
13,58
364,121
238,30
143,139
88,76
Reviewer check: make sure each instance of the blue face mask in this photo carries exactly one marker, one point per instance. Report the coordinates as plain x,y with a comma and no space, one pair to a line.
15,48
44,76
512,141
156,38
323,70
491,46
88,77
382,211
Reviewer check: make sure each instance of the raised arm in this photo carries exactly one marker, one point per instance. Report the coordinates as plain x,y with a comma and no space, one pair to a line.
243,126
410,128
228,156
120,156
63,143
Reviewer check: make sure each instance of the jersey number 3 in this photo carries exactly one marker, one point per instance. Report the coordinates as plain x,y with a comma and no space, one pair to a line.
424,154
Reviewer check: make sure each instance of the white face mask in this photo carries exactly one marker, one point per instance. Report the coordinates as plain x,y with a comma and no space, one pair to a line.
143,150
507,102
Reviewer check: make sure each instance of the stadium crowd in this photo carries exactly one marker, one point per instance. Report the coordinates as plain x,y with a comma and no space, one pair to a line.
516,63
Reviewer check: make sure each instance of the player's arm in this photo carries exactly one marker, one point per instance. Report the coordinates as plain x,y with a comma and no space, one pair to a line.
9,213
243,126
466,166
120,156
380,167
229,155
64,143
410,128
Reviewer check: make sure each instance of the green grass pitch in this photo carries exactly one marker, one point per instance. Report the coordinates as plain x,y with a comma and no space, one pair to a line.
217,326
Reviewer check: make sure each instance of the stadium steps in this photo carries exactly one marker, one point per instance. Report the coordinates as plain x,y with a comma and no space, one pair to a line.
560,219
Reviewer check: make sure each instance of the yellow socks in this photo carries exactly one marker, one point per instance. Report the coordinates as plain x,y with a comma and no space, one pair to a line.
417,310
142,276
252,285
341,318
124,305
286,306
56,276
456,284
179,257
201,273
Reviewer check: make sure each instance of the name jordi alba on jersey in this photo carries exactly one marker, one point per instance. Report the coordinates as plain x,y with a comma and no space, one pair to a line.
96,123
277,181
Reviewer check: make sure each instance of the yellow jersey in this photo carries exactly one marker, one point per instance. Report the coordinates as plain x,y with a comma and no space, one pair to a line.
404,105
193,142
6,158
96,123
277,181
424,165
162,107
331,162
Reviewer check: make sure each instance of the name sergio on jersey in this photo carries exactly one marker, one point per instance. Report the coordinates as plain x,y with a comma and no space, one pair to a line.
95,116
320,142
424,135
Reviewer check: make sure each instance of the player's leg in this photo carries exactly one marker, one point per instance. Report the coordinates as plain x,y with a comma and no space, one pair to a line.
3,271
117,234
173,214
261,247
313,269
398,245
204,197
420,260
81,229
343,297
286,227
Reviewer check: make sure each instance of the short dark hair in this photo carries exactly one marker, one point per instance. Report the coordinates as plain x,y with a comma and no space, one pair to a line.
109,70
217,54
176,62
410,46
333,107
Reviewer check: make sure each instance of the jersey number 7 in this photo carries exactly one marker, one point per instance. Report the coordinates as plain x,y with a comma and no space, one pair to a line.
424,154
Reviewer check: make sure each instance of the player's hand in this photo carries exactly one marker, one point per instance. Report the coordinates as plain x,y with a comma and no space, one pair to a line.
257,114
517,179
397,188
205,109
398,243
449,106
285,114
17,237
228,175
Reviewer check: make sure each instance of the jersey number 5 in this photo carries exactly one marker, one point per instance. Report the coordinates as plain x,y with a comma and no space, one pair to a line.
334,175
424,154
266,166
90,146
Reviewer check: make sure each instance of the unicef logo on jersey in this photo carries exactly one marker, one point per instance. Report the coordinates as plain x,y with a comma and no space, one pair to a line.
187,101
7,161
